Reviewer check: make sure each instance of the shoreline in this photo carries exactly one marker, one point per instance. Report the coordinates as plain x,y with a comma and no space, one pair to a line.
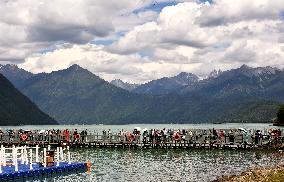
260,174
257,174
131,124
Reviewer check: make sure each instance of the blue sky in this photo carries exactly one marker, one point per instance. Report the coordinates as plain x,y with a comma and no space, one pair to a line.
157,6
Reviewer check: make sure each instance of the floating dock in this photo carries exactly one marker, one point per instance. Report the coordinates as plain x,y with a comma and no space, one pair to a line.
38,172
24,163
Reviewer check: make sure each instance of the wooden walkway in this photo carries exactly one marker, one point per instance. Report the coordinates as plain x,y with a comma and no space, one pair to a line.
195,141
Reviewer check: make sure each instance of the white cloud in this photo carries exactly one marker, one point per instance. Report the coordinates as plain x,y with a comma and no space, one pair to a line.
230,11
175,25
192,37
109,66
127,21
74,21
250,33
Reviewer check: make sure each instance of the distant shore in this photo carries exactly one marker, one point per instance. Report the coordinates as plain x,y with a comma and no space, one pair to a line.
149,123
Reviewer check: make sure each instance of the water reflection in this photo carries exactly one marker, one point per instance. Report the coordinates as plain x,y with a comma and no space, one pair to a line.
166,165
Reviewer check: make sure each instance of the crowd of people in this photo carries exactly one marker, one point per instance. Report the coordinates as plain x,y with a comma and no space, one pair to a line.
142,135
187,135
51,135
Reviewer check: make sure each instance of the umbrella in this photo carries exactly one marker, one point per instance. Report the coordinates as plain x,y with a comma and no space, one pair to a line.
243,130
145,129
41,131
137,128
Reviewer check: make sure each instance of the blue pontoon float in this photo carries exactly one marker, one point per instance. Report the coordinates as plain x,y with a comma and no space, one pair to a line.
17,164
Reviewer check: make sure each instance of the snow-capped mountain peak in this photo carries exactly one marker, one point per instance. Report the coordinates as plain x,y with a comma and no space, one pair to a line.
214,73
124,85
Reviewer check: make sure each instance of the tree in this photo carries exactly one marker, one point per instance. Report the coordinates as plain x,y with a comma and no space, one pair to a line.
280,114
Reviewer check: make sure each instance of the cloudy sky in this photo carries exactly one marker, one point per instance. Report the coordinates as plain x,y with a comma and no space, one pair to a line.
141,40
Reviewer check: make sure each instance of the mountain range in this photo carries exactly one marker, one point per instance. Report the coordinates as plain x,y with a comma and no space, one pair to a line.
75,95
167,85
17,109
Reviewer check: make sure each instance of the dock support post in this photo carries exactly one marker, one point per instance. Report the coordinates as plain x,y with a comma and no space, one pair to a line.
69,155
22,155
4,155
61,153
37,159
44,157
1,156
31,159
16,160
13,155
26,155
1,159
57,156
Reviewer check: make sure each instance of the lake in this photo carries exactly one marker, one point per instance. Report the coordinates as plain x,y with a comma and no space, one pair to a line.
116,128
163,164
167,165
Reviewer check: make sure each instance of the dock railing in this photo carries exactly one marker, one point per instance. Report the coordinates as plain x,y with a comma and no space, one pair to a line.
197,137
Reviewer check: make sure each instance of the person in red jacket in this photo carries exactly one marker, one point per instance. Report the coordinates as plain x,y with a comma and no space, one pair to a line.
66,133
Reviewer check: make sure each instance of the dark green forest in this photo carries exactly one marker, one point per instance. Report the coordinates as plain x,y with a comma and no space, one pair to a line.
17,109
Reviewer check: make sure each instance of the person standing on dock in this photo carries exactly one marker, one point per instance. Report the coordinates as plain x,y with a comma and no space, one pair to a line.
222,136
109,133
11,135
66,133
215,134
75,134
84,135
122,135
231,137
1,134
144,135
151,135
257,137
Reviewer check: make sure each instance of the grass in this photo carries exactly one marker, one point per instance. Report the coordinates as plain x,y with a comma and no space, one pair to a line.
276,176
260,175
